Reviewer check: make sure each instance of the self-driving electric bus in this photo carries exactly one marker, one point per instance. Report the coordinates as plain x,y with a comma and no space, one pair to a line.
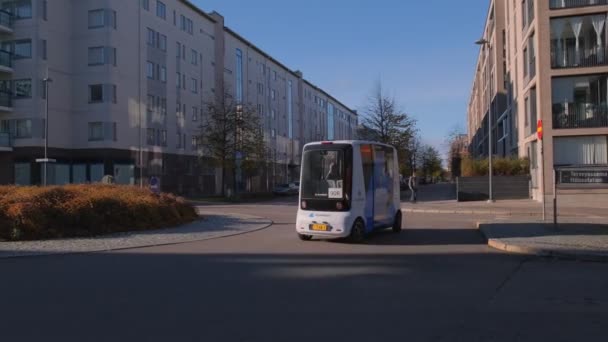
348,189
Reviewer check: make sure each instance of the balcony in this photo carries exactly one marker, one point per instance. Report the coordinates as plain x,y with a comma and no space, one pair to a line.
583,58
5,142
6,62
6,22
580,115
6,101
560,4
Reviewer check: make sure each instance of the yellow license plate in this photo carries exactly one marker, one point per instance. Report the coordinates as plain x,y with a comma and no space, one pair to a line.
319,227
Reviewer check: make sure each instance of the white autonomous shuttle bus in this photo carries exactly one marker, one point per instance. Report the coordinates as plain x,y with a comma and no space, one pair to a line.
348,189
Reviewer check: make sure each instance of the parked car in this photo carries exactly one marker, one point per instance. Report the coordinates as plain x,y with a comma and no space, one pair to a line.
287,189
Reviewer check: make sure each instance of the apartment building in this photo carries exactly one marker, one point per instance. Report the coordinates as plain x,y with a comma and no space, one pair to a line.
130,81
546,61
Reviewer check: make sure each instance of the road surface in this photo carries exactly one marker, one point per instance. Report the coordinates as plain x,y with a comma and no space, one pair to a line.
437,281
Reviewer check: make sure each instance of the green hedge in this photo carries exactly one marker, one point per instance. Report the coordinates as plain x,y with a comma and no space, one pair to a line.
501,167
31,213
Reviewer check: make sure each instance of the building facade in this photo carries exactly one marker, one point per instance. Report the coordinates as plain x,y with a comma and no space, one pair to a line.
129,85
545,61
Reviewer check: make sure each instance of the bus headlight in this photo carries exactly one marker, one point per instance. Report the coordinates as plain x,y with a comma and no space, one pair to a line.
303,204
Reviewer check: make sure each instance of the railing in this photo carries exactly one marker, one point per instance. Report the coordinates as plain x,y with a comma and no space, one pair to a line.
5,140
569,58
6,19
580,115
558,4
6,59
6,99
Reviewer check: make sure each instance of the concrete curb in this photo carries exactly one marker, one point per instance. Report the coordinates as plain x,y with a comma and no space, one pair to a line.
267,223
540,251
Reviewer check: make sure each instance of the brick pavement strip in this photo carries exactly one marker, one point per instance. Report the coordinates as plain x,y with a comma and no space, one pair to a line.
580,241
214,225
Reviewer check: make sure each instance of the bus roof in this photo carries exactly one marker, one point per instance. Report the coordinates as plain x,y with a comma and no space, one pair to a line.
347,142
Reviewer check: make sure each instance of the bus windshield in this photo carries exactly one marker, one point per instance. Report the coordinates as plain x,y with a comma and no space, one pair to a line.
323,174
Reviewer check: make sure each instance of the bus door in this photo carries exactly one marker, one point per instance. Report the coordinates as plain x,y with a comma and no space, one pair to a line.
382,183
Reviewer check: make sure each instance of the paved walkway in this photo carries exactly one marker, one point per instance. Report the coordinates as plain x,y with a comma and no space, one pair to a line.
584,241
215,225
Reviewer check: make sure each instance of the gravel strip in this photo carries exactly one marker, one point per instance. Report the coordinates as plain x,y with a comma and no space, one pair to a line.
215,225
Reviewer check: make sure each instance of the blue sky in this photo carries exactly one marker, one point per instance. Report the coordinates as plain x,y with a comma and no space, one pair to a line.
423,51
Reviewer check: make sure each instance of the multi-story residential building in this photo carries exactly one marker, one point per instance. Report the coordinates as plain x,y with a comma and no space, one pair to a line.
130,82
544,60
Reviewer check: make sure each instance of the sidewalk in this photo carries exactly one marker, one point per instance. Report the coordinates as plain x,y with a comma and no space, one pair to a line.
527,208
581,241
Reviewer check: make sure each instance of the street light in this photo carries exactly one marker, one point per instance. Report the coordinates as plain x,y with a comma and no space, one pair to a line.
486,44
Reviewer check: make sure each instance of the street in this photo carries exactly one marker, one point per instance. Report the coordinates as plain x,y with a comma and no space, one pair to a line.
436,281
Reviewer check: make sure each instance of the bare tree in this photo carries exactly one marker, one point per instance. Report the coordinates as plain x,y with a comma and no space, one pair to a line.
385,122
232,134
457,144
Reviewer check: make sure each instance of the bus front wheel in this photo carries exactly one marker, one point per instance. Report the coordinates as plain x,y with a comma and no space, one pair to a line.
398,222
357,234
304,237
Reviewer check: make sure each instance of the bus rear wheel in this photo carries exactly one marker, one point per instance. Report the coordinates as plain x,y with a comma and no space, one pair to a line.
305,237
398,222
357,234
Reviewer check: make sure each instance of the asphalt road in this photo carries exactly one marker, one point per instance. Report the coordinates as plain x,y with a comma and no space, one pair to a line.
437,281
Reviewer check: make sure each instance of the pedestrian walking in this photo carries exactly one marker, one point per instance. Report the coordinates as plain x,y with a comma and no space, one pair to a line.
413,184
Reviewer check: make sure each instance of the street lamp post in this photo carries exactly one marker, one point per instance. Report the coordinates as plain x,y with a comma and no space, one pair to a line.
486,44
45,161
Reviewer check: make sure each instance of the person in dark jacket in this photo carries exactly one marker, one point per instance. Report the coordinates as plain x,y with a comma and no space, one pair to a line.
413,185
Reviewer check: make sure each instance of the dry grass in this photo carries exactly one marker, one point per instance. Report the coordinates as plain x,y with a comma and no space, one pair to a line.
30,213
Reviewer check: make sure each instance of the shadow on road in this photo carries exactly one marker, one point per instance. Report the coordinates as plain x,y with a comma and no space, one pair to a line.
427,237
432,193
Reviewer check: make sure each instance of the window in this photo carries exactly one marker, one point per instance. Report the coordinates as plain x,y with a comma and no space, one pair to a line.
23,173
96,55
20,9
145,4
194,114
150,70
274,74
290,109
23,88
23,129
45,9
150,104
163,74
273,133
151,136
194,142
273,94
182,22
179,49
194,86
162,42
239,76
178,83
582,150
102,93
95,131
23,49
163,138
272,114
194,57
100,18
151,37
161,10
44,51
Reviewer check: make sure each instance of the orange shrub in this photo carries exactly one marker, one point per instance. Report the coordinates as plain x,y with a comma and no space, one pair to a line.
28,213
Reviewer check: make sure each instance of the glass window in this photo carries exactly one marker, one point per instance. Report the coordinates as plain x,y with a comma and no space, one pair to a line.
79,174
145,4
323,174
22,49
151,37
163,74
96,93
162,42
194,114
21,9
151,136
124,174
194,86
96,18
239,75
194,57
586,150
97,172
150,70
23,173
23,129
59,174
23,88
289,109
96,55
161,10
44,50
95,131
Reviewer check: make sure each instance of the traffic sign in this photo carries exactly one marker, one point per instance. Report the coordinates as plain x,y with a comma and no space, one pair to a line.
46,160
539,129
154,184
